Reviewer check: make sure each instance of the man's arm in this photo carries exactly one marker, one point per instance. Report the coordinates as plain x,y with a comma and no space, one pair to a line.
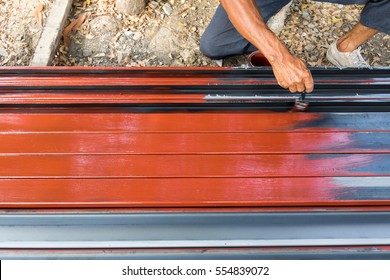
289,70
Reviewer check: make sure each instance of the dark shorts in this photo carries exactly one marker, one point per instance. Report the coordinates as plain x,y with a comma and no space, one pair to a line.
221,39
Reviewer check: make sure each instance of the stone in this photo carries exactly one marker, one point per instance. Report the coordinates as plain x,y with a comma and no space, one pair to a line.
130,7
3,51
167,9
87,52
120,56
163,42
100,55
186,54
306,15
310,47
153,4
137,36
349,17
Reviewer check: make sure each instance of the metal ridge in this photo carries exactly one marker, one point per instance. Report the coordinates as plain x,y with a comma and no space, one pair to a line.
167,89
286,253
193,230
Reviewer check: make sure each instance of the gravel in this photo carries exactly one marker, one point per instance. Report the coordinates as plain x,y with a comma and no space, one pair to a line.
168,33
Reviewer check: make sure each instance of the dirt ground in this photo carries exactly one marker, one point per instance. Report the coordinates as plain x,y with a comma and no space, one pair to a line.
170,36
19,30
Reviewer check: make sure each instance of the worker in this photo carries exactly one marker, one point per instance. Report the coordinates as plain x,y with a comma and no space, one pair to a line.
239,27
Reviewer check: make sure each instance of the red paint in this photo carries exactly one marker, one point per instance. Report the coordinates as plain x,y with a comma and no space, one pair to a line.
74,97
257,59
159,76
185,143
204,209
102,121
188,166
191,192
231,161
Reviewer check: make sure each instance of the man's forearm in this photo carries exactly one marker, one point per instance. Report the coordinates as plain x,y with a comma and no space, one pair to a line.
289,70
247,19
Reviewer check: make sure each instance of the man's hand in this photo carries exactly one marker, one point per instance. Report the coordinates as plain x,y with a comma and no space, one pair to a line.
291,73
289,70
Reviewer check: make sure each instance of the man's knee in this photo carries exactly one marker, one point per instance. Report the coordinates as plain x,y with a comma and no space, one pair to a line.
208,48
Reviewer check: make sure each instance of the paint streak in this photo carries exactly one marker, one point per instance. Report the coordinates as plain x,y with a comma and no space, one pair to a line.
192,192
189,166
193,143
85,121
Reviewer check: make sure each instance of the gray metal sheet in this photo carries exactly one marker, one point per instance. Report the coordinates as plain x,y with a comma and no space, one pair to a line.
202,254
193,230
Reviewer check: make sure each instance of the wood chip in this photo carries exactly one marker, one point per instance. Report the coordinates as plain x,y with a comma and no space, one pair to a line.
73,26
38,14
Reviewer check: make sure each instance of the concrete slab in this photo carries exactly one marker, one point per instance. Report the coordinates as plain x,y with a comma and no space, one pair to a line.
51,33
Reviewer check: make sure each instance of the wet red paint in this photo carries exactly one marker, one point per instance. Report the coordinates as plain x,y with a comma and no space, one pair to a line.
187,166
97,98
190,143
113,158
203,209
162,76
235,159
95,121
206,192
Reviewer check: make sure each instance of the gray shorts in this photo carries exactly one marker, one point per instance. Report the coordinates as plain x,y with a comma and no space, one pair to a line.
221,39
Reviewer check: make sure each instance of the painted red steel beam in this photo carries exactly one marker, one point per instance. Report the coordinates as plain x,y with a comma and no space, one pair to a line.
205,209
201,96
193,166
63,77
192,143
119,120
31,169
82,157
180,85
199,192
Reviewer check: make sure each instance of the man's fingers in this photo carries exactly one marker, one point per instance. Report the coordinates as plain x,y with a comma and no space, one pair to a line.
294,75
309,83
293,88
301,87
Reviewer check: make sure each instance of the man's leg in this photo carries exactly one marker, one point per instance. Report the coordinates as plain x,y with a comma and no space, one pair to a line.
374,18
221,39
355,37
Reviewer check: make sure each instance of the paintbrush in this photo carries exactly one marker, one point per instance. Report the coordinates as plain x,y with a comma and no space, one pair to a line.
301,104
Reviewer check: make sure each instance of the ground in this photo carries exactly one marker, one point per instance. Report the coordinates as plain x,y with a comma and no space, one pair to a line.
168,33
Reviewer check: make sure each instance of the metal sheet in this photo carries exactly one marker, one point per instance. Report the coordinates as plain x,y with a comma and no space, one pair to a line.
291,253
335,88
195,192
193,230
